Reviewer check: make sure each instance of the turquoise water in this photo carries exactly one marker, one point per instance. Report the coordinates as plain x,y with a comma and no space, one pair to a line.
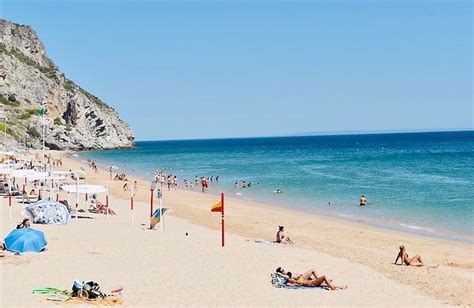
417,182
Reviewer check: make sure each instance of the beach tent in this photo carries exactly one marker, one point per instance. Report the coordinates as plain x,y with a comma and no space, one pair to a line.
47,212
24,240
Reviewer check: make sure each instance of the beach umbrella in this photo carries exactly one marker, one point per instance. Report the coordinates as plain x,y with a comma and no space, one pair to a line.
24,240
84,188
5,171
47,212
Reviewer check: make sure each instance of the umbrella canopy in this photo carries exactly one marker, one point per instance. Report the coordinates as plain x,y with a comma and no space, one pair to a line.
5,171
24,240
84,188
46,177
47,212
62,172
24,173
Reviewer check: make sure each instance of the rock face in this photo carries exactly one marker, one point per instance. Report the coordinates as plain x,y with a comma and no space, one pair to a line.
75,119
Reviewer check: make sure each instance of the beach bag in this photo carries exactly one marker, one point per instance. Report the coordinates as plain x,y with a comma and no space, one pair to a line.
278,281
89,289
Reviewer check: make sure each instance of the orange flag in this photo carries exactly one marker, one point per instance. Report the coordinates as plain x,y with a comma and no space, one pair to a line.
217,207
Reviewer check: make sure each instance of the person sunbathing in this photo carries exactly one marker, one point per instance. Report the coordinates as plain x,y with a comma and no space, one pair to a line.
321,281
281,236
415,261
309,274
98,207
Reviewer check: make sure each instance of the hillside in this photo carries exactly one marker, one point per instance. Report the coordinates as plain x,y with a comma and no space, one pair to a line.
76,119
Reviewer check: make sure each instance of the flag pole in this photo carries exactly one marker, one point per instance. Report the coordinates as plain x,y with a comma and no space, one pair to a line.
10,203
162,226
222,204
131,205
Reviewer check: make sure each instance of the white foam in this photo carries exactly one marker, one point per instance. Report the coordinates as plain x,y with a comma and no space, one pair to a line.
416,227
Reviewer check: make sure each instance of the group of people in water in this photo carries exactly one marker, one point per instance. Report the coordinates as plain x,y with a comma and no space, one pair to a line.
171,181
93,165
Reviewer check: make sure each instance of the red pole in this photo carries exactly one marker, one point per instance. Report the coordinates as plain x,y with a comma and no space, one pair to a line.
222,204
9,199
107,201
86,197
131,203
57,197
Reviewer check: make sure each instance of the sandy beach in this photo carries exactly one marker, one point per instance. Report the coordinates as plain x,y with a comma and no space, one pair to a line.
172,268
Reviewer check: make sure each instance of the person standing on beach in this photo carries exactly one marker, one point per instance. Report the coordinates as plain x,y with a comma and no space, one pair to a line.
110,172
362,201
204,184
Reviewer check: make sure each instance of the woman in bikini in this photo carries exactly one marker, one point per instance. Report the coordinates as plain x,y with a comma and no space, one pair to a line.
404,259
307,280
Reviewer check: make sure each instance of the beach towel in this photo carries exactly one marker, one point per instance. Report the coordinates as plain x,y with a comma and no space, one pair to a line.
281,282
259,240
47,290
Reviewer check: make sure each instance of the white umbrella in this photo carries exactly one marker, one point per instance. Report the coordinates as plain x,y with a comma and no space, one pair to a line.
47,212
7,153
84,188
61,172
45,177
23,173
5,171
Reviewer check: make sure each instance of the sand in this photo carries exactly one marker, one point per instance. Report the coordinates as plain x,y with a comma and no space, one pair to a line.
170,268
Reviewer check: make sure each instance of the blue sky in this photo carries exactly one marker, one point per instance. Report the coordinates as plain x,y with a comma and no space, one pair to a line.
210,69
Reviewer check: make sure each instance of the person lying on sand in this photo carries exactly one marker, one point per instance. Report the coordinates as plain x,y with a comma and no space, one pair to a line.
281,236
415,261
309,274
317,282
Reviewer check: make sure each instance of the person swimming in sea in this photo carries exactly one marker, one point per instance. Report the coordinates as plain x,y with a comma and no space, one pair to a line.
362,201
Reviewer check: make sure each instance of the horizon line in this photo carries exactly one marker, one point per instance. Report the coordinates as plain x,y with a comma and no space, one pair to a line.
328,133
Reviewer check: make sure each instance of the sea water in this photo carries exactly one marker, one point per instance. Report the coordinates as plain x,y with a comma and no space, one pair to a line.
417,182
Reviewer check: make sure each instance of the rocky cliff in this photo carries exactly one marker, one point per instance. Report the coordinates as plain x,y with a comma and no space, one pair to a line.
75,119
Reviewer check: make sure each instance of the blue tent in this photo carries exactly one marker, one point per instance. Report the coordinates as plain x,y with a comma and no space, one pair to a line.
26,239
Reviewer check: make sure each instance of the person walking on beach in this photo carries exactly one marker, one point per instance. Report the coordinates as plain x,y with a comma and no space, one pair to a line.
362,201
282,237
415,261
204,184
110,172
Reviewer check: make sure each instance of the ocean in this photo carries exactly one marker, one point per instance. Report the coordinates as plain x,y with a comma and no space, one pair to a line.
417,182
